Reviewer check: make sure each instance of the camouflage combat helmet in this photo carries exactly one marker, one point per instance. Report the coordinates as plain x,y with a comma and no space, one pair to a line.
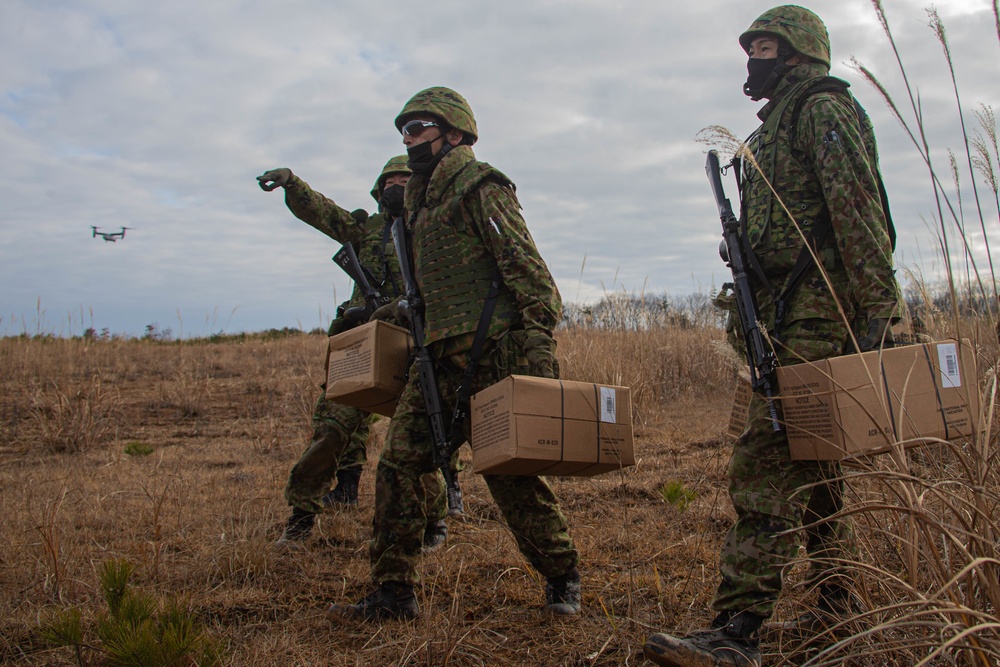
798,26
447,105
396,165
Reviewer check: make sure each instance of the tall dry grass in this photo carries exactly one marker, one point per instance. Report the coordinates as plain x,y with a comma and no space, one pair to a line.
929,521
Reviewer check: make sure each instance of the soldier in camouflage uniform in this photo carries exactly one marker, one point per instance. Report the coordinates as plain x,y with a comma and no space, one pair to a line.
818,150
466,228
341,432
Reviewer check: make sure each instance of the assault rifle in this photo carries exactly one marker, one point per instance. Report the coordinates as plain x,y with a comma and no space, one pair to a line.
347,259
760,356
411,308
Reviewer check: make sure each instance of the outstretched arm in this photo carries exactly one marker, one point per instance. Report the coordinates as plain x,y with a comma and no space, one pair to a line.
312,207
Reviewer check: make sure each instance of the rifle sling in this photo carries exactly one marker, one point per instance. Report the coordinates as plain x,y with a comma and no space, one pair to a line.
465,388
833,85
386,272
804,262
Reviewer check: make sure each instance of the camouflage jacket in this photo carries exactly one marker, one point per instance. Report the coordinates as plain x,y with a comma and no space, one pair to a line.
487,223
822,166
368,234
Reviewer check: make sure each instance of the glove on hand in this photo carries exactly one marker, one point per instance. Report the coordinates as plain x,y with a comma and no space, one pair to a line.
879,335
540,351
389,313
274,178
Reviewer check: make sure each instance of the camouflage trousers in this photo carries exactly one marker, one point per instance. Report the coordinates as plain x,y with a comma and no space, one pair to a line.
777,500
528,505
340,438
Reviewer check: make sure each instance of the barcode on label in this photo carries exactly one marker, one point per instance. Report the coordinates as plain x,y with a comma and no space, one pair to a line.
951,376
608,408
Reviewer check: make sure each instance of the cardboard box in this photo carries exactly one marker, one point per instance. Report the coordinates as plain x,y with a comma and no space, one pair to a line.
535,426
366,367
740,411
863,404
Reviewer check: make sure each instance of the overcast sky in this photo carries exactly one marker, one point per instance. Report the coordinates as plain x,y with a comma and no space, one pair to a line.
158,116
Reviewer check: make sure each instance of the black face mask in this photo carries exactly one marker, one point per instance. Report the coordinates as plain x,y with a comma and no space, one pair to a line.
421,158
759,71
392,200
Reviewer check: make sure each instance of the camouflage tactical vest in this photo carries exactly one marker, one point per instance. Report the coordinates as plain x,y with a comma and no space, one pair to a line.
772,235
453,265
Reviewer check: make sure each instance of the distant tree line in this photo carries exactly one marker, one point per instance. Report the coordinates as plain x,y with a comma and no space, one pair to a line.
931,301
631,312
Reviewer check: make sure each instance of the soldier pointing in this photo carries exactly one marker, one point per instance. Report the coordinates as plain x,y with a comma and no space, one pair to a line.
340,432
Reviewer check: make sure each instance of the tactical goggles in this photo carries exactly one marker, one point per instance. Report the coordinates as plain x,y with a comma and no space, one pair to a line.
415,128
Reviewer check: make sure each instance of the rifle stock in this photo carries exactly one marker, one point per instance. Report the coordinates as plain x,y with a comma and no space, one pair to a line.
412,308
760,356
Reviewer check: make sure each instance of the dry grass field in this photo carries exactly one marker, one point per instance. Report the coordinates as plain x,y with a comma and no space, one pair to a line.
173,457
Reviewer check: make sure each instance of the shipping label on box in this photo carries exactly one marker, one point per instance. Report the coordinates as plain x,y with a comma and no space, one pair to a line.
867,403
537,426
367,365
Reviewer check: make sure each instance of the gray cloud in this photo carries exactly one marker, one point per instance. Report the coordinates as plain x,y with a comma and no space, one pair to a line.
158,117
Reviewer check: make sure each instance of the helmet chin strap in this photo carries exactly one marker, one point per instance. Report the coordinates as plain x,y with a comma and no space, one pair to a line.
445,148
431,161
777,73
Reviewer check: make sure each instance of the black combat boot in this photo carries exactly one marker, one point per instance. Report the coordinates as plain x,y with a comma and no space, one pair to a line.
435,535
299,525
391,600
562,594
346,491
731,642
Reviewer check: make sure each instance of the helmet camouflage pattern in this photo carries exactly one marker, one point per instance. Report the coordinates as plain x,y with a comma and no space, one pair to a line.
798,26
447,105
396,165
